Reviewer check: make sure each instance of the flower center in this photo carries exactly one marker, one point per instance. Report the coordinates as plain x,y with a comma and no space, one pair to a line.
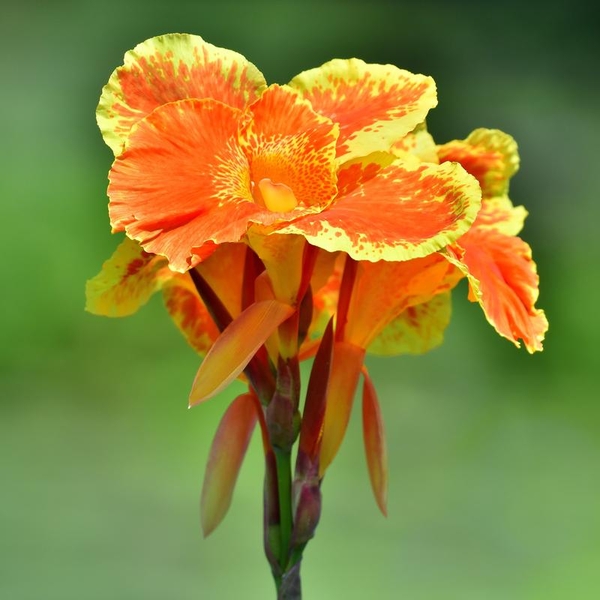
276,197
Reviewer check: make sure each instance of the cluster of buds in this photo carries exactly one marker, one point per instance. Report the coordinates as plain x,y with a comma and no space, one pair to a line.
315,220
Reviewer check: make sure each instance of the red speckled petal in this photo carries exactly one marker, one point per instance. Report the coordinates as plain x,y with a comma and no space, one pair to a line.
126,282
408,210
168,68
375,105
489,155
225,460
503,279
416,330
182,186
288,143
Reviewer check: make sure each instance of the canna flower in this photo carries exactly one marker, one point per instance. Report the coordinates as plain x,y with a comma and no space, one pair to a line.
285,222
206,153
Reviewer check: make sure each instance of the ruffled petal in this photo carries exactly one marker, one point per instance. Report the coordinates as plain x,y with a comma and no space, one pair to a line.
168,68
490,155
416,330
375,105
182,186
499,214
126,282
503,279
288,143
408,210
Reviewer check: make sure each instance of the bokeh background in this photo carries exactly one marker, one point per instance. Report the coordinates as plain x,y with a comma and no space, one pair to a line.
494,454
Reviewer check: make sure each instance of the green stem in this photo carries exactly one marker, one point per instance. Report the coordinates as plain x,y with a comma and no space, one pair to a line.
284,486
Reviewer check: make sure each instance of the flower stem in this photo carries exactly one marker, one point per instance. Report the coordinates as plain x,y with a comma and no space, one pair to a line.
284,488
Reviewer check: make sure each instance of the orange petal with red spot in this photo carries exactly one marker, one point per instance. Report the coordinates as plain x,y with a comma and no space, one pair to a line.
126,282
168,68
225,460
416,330
375,105
407,210
182,186
345,370
503,278
236,346
375,446
289,144
490,155
189,312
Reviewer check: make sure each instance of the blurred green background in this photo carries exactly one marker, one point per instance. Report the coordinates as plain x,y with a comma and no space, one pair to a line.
494,454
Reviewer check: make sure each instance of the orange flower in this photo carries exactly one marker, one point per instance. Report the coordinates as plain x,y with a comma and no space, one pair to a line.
205,152
317,218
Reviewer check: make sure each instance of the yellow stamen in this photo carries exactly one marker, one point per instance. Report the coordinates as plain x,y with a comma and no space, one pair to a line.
277,197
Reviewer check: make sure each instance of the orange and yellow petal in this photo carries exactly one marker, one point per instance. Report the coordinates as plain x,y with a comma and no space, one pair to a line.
168,68
504,280
416,330
499,214
126,282
282,256
182,185
291,146
383,290
408,210
420,143
356,172
189,313
490,155
375,105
